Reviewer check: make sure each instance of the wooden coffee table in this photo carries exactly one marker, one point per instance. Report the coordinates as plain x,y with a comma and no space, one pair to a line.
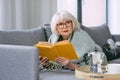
83,72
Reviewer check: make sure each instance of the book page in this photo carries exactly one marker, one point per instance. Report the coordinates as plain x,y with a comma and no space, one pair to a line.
45,43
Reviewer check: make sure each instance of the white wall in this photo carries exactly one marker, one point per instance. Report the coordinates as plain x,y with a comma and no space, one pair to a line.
114,16
93,12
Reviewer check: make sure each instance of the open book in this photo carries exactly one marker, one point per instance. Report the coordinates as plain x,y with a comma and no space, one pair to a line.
59,49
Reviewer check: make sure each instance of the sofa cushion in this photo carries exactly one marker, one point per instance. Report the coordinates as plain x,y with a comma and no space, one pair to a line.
116,37
22,37
100,34
58,75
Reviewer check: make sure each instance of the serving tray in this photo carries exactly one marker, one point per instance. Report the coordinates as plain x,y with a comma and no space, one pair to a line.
83,72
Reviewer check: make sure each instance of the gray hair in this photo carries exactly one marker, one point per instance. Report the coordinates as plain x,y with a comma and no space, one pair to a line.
59,16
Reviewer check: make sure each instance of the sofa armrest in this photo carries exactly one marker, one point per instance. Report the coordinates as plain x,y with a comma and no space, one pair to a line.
18,62
116,37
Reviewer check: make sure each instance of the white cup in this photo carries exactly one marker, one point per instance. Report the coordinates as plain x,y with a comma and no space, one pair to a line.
113,68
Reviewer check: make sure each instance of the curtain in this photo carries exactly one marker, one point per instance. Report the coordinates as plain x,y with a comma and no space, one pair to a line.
25,14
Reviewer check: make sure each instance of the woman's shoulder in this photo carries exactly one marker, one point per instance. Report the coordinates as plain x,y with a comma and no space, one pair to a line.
80,31
83,34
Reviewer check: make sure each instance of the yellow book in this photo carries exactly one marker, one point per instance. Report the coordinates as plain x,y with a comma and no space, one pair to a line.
59,49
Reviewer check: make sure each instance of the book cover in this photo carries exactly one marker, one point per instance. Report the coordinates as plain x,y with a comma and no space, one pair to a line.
59,49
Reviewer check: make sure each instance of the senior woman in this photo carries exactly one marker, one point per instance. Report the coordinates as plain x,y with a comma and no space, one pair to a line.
64,26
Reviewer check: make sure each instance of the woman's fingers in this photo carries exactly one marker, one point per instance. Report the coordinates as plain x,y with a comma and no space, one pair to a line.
63,61
40,57
44,60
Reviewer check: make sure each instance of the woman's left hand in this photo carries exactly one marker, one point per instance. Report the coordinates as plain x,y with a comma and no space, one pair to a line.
65,62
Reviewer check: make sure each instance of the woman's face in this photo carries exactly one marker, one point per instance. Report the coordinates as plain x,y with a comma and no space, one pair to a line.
65,28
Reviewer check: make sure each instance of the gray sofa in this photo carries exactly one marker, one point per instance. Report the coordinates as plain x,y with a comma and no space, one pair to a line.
19,58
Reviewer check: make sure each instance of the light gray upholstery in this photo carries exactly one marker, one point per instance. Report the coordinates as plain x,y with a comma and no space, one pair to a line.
100,34
18,62
22,37
115,61
47,30
116,37
58,75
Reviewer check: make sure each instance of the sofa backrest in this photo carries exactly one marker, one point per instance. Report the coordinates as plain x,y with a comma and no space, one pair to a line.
47,30
100,34
22,37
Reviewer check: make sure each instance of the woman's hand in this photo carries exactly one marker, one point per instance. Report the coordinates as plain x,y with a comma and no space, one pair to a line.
65,62
44,61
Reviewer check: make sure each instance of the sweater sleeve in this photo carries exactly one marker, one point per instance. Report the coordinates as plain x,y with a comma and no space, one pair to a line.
99,49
